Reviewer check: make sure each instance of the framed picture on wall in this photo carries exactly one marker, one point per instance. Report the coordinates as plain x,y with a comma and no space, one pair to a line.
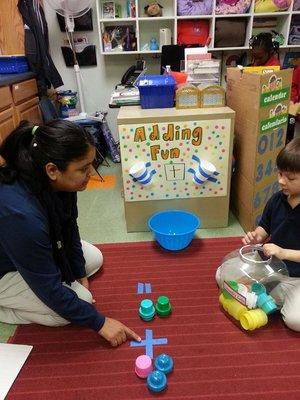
108,9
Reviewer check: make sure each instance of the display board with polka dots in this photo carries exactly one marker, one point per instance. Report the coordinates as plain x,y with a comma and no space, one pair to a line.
173,152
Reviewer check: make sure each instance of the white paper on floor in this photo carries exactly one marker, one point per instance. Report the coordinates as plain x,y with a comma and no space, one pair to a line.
12,358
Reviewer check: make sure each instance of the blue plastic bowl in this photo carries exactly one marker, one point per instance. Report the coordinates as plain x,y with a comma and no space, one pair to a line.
174,229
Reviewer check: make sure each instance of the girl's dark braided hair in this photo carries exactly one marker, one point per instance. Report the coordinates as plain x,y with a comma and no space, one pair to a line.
266,40
25,153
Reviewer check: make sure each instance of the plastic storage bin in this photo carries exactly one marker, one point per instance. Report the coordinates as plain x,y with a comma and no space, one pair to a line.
156,91
13,65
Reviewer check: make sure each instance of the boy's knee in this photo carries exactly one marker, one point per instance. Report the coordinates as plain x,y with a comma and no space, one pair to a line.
291,319
291,306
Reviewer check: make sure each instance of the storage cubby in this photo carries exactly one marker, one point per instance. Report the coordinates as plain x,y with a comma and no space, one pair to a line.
231,32
240,26
114,36
167,10
294,31
280,24
149,29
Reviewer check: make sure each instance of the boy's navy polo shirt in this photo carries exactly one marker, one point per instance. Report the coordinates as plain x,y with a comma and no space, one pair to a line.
282,223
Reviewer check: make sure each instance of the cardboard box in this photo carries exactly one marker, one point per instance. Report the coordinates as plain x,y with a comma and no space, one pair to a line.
261,105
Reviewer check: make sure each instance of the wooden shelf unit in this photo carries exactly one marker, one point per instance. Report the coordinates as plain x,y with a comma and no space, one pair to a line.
146,27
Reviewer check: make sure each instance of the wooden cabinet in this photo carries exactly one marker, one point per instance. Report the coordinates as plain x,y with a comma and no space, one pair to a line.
18,102
26,101
11,28
29,111
5,97
22,91
7,123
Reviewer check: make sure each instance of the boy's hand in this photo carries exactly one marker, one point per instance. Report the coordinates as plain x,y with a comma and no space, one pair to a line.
271,249
117,333
252,238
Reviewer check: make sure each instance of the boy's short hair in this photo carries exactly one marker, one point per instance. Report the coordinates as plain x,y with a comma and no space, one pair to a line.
288,158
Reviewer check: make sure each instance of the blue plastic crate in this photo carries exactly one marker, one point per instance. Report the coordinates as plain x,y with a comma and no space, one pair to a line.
157,91
13,64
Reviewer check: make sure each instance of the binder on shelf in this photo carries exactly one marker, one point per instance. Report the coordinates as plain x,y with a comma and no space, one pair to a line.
85,58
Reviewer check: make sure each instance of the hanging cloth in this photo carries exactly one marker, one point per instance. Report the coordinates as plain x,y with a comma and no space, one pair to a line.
37,46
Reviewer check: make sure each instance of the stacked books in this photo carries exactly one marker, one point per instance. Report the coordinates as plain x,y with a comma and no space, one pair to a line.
125,96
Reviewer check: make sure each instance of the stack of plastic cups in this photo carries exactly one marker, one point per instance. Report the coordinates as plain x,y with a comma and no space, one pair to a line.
143,366
157,380
233,307
266,303
205,170
163,306
140,173
249,319
253,319
164,363
146,310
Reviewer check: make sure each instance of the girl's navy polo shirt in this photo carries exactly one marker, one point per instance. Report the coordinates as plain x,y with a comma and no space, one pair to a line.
25,247
282,223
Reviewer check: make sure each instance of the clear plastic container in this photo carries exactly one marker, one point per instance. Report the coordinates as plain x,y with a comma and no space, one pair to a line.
248,266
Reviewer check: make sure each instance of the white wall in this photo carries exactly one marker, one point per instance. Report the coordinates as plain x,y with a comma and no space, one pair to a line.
99,81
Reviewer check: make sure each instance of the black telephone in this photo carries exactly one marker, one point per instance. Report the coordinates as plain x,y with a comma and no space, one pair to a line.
132,74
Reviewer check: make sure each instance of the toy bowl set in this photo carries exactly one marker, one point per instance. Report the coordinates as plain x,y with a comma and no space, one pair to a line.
250,285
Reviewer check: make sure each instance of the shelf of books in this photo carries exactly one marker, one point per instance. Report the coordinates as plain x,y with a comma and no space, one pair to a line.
138,26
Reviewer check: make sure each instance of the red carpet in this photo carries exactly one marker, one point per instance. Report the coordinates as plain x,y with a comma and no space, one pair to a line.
213,359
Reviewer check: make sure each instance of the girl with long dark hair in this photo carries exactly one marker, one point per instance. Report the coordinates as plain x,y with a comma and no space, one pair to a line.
44,266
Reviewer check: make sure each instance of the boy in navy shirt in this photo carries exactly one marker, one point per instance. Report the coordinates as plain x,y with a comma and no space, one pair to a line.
279,229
